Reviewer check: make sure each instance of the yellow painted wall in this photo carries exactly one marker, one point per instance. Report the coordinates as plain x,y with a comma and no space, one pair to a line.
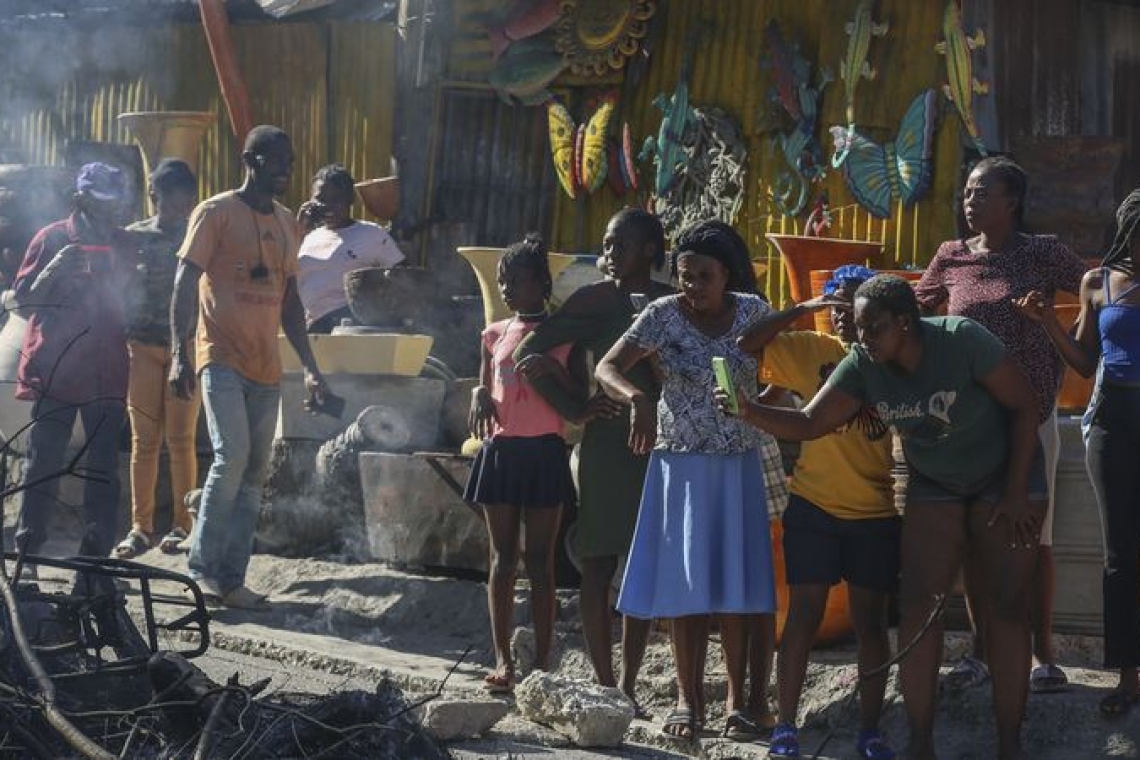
727,73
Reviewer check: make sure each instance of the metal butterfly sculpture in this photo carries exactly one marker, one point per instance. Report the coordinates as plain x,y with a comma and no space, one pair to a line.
580,151
878,175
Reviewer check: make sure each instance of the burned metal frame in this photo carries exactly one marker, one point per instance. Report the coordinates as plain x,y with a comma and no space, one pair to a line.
96,592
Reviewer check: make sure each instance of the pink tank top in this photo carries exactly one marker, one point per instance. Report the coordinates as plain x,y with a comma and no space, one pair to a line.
522,412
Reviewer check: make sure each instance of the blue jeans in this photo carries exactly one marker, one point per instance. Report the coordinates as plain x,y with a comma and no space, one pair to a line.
242,416
47,459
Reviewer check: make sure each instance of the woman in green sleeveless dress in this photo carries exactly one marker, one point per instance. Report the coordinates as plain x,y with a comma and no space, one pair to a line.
610,476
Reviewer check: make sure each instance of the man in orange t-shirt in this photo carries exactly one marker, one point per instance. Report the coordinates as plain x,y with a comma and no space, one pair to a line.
237,281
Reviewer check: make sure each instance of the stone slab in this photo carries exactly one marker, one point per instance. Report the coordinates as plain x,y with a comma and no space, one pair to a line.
413,517
417,401
448,718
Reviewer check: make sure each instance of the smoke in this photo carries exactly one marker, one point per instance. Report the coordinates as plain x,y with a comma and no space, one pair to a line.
48,61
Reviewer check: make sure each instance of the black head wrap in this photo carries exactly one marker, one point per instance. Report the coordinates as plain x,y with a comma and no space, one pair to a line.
719,241
1119,255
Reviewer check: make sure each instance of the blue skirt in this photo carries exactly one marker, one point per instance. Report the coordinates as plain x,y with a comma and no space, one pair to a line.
702,543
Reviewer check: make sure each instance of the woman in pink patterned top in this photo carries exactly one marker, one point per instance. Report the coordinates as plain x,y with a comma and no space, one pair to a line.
981,277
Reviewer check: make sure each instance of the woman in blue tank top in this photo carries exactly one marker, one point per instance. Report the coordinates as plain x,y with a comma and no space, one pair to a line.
1106,340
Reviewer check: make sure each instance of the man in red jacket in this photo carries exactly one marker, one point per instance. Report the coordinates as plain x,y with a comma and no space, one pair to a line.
74,360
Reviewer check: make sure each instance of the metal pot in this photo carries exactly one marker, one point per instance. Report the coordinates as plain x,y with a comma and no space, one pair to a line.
397,297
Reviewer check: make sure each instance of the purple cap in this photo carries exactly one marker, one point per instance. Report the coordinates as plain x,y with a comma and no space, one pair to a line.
101,181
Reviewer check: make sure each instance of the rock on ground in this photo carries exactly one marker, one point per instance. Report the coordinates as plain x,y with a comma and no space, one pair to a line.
590,715
448,719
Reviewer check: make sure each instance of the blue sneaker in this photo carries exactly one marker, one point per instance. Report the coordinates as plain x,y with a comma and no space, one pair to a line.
872,746
785,741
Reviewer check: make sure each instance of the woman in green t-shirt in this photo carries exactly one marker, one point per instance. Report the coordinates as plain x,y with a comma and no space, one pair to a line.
975,489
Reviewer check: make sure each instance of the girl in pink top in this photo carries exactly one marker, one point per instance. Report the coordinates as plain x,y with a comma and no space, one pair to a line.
523,465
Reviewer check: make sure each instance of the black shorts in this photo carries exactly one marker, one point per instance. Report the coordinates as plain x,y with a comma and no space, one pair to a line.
821,549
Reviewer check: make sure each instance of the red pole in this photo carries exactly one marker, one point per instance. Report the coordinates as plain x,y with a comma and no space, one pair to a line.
216,23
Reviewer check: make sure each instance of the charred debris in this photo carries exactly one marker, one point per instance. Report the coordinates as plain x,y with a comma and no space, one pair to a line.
80,678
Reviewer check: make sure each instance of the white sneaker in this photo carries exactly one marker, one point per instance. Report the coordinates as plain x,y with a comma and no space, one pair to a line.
211,591
241,598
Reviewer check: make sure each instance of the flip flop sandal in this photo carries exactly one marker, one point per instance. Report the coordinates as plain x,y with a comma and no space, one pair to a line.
1118,704
739,728
133,545
1048,679
767,721
639,712
496,683
785,741
872,746
966,673
172,541
681,719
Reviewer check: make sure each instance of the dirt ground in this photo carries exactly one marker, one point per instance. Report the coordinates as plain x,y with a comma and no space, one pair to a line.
355,618
366,620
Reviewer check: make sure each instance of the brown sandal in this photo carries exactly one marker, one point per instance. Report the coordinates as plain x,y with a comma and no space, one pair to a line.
499,683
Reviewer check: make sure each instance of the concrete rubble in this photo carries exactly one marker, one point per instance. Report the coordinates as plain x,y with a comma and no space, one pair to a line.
588,714
451,718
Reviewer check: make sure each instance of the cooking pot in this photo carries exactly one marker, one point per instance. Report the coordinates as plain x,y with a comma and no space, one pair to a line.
390,297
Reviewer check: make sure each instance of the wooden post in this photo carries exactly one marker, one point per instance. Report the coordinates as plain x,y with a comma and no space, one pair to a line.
216,23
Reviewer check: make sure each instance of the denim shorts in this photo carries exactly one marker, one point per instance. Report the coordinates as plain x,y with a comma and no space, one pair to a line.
923,490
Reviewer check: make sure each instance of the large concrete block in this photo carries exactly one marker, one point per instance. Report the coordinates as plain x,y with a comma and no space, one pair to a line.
416,404
1078,552
448,718
588,714
412,515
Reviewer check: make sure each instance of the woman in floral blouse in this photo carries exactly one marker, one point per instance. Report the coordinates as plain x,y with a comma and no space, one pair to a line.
701,546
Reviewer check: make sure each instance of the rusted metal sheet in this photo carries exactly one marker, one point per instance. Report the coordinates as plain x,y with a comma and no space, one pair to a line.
490,167
330,86
1109,50
1038,67
1072,193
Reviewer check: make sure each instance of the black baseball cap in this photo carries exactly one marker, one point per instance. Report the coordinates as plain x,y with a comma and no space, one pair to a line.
172,173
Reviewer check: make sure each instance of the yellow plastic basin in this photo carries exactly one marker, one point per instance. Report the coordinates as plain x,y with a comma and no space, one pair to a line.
372,354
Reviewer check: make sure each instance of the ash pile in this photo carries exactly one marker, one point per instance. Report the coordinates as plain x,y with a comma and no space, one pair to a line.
79,678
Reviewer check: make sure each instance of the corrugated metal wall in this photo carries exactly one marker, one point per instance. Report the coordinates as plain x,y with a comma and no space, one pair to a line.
496,178
727,73
330,86
1109,50
1042,55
